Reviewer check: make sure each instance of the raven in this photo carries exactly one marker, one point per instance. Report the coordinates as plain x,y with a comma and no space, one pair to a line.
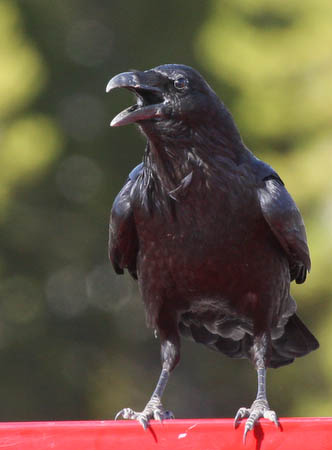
210,233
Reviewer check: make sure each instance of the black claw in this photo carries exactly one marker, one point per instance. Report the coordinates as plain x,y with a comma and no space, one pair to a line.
242,412
143,422
158,416
170,415
118,414
249,426
245,435
254,414
153,410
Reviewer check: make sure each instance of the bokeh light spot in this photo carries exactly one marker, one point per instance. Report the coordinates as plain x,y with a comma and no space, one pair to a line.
65,290
89,43
78,178
82,116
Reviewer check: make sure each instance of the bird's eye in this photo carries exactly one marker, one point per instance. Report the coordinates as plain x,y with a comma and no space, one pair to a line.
180,83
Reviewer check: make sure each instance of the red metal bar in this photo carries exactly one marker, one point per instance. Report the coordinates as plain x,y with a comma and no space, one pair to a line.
189,434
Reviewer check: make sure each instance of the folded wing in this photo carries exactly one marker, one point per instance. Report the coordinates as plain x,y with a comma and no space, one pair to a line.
285,221
123,241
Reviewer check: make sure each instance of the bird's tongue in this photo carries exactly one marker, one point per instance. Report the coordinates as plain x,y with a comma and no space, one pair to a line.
136,113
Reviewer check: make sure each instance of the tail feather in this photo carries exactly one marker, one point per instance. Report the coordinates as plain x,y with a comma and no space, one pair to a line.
296,341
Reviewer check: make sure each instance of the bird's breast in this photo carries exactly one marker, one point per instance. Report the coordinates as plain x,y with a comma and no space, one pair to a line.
216,245
209,232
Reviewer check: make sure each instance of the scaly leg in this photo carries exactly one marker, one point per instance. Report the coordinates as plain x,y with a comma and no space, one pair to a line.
154,408
260,407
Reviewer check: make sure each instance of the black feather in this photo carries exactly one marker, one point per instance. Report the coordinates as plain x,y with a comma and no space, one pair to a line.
210,231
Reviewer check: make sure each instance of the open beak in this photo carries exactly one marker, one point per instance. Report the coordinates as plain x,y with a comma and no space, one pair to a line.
149,96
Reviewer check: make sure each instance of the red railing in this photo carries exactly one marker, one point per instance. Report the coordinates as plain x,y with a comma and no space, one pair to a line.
189,434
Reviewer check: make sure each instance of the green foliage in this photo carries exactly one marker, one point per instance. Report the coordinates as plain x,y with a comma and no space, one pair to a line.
276,55
23,72
29,145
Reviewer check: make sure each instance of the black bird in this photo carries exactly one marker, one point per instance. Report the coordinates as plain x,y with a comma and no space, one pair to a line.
210,233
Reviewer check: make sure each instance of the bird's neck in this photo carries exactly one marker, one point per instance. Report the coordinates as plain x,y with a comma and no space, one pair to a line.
171,158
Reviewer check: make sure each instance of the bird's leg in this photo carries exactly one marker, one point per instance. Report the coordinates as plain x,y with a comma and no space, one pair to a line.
154,408
260,407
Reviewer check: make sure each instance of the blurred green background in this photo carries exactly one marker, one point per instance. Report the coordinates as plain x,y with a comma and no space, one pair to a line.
73,341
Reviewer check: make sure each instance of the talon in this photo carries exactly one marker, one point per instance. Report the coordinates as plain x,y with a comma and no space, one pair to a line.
143,421
260,408
158,416
119,414
169,415
245,434
271,415
153,410
242,412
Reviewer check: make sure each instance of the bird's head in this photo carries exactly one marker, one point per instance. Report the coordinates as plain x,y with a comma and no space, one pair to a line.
168,97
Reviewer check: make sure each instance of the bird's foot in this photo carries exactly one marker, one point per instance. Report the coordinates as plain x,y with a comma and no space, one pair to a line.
260,408
153,410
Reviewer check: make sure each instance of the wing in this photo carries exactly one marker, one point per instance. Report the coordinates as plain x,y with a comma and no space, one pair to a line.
285,221
123,240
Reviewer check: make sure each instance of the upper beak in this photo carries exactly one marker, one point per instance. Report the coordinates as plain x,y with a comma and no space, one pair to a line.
121,80
131,80
143,84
